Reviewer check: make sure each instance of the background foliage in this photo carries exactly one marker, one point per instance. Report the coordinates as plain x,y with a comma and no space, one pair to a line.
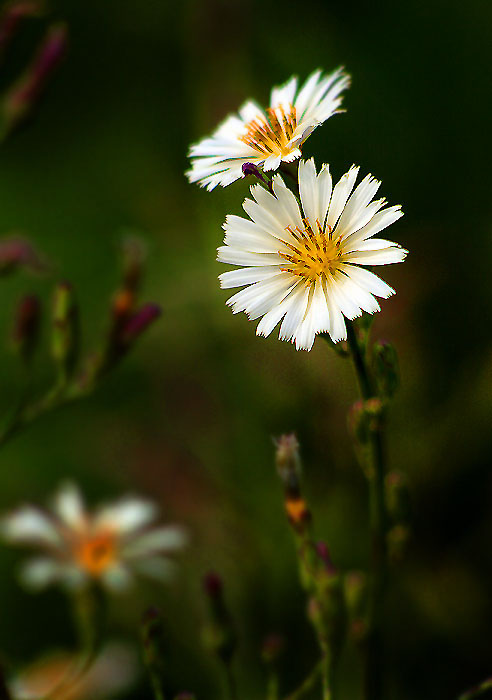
189,417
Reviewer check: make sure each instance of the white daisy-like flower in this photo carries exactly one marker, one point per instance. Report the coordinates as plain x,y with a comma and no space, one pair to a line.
110,545
267,137
303,265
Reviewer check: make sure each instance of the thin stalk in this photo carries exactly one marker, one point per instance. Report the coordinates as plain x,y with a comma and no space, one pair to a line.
230,682
307,684
373,682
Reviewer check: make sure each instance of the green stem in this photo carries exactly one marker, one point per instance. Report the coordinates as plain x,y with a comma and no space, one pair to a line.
378,526
307,684
477,690
230,682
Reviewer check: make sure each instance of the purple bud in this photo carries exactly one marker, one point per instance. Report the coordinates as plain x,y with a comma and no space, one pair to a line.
213,585
252,169
139,322
21,98
19,252
325,556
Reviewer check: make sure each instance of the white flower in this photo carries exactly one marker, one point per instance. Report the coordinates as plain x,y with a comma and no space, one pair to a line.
109,545
304,266
266,138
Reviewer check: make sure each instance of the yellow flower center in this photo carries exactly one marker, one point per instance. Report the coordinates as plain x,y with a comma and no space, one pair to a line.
314,254
271,135
95,553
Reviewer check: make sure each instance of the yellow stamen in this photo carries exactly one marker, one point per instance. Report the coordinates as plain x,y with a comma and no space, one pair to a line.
271,135
315,254
95,553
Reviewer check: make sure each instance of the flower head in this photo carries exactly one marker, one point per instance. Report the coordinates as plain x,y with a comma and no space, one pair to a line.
303,265
267,137
109,545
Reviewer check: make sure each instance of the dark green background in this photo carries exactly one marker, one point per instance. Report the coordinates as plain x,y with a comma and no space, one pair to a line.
189,418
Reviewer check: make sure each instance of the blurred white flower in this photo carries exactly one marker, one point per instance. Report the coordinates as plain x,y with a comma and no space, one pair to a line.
304,266
110,545
266,138
114,670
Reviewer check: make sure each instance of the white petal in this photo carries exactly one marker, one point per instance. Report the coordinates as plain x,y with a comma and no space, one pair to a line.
338,329
347,305
270,319
341,192
361,297
358,201
246,275
386,255
288,212
30,525
262,296
368,281
308,189
284,94
69,506
40,572
379,221
324,193
169,538
295,314
234,256
117,578
158,568
126,516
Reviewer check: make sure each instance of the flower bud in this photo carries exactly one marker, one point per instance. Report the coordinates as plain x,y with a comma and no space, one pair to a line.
22,97
138,323
385,368
25,334
65,336
218,635
287,458
252,169
18,252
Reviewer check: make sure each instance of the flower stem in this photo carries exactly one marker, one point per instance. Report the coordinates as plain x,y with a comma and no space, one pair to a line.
373,682
307,684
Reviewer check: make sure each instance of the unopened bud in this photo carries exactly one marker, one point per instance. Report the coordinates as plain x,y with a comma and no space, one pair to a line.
364,418
325,557
65,338
18,252
22,97
26,327
218,635
287,458
252,169
272,649
385,368
138,323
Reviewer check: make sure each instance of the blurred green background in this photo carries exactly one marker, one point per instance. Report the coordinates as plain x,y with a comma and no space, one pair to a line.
189,418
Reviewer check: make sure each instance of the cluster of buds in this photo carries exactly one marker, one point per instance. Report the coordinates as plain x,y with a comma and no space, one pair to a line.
75,377
319,576
21,97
